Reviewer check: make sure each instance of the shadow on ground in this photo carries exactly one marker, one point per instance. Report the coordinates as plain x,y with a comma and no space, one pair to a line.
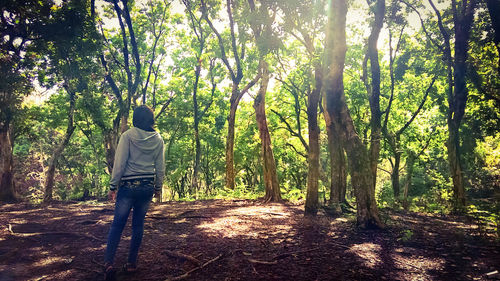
244,240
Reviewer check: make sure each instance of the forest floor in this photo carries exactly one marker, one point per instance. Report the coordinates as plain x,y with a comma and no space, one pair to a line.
242,240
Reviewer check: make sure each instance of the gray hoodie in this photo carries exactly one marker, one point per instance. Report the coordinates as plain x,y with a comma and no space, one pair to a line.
139,155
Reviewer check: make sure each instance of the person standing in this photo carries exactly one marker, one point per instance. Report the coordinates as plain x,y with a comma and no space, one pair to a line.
138,171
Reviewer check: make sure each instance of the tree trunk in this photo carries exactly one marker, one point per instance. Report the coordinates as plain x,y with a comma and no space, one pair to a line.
456,166
311,206
7,190
358,157
410,162
463,21
231,120
271,183
463,17
338,181
49,177
395,175
367,211
375,122
110,144
112,136
196,165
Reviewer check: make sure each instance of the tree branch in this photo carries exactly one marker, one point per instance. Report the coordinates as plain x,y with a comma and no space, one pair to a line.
418,109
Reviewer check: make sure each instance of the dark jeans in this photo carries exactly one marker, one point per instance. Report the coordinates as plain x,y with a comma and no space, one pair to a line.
135,195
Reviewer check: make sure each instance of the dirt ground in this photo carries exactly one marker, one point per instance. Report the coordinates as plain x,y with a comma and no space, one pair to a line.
242,240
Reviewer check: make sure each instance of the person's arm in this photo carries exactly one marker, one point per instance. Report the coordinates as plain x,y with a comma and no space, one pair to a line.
121,157
160,168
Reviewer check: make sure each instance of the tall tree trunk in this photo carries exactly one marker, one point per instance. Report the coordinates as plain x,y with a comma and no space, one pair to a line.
463,17
271,183
311,206
7,190
462,32
231,120
338,181
49,177
395,175
456,166
196,165
236,74
375,122
410,162
358,157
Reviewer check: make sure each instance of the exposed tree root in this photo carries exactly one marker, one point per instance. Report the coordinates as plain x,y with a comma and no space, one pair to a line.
182,257
185,275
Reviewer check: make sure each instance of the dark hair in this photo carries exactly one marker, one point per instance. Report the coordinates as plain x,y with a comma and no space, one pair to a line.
143,118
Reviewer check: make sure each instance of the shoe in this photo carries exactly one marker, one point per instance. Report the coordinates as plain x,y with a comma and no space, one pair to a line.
110,273
129,268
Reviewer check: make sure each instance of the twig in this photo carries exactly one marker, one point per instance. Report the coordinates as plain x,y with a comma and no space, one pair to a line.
182,256
160,217
285,255
98,263
340,245
31,234
177,217
88,269
411,265
185,213
185,275
281,256
271,213
196,217
171,217
262,262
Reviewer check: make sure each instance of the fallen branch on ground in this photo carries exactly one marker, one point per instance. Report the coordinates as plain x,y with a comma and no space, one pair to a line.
340,245
31,234
182,257
281,256
176,217
272,213
285,255
181,215
98,263
263,262
185,275
88,269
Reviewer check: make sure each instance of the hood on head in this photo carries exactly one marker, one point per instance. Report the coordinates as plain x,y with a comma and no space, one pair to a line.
145,141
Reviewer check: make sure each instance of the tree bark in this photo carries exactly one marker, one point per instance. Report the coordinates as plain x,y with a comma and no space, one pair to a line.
456,166
358,157
49,177
463,24
311,206
271,183
338,180
236,93
7,189
375,121
410,162
231,119
196,121
395,175
463,17
120,123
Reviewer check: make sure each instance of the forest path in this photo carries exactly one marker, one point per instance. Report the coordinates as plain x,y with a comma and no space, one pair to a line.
242,240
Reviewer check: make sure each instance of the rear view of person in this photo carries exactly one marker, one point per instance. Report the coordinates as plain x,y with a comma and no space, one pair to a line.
138,171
